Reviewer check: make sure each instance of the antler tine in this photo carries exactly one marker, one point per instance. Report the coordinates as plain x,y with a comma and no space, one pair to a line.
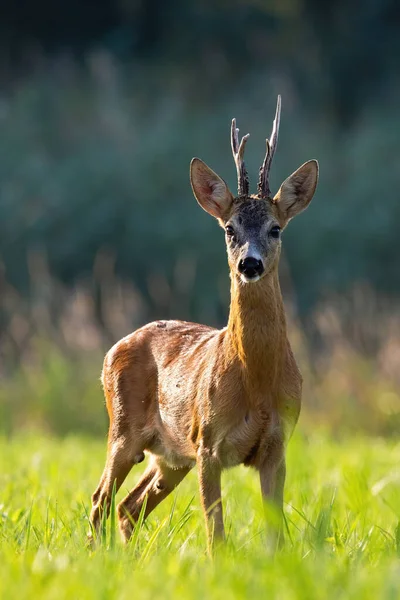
238,153
263,182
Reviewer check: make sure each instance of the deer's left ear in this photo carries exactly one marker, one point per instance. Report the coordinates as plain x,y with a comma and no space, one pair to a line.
296,191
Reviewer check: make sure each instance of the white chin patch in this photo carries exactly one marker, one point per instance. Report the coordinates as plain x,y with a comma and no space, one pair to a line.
249,279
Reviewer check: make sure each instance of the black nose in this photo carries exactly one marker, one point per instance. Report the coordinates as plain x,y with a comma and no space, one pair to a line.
251,267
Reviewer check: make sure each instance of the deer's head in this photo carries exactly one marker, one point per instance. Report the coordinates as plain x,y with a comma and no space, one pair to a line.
253,223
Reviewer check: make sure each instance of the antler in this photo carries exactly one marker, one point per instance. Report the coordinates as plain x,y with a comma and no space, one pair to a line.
263,182
238,152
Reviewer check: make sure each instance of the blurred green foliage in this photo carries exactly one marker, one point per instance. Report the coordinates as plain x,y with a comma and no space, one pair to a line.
99,118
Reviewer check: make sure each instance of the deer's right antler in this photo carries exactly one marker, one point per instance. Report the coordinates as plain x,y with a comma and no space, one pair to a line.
238,152
263,182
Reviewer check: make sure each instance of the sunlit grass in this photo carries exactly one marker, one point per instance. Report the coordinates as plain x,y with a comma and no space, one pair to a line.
342,541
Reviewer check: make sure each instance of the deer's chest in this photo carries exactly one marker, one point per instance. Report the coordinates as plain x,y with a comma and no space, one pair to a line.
248,440
253,434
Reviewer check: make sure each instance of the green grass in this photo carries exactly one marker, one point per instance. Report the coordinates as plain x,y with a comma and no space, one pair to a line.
342,509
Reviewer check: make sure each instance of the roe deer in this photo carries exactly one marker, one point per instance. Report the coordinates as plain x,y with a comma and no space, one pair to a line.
188,393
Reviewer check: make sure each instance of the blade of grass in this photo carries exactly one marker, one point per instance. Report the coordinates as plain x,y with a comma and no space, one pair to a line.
112,517
137,526
28,527
151,542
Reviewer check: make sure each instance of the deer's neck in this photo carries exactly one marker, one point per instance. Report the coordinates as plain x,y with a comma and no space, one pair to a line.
256,331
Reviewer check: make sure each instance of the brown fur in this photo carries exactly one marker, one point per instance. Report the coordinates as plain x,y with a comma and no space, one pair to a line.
186,393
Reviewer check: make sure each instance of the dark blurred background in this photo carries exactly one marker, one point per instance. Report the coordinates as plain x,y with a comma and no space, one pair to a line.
102,106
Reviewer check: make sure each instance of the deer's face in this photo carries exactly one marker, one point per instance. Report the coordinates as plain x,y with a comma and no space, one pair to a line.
253,224
253,238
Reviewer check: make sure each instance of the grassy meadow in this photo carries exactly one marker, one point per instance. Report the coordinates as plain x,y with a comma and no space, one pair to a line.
342,509
342,500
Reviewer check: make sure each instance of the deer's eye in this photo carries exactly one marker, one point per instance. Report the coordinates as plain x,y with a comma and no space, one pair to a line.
229,231
275,232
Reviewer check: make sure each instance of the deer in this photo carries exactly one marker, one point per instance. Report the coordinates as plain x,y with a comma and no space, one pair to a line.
187,394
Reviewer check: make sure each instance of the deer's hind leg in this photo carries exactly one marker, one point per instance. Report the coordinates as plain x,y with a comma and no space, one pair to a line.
157,482
128,393
122,454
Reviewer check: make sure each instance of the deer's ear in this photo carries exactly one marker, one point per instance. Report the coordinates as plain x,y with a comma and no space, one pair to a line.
210,191
296,191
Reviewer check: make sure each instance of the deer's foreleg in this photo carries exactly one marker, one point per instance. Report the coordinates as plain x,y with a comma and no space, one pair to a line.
272,479
210,491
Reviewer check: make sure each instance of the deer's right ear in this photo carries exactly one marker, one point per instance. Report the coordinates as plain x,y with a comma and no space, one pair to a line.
210,191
